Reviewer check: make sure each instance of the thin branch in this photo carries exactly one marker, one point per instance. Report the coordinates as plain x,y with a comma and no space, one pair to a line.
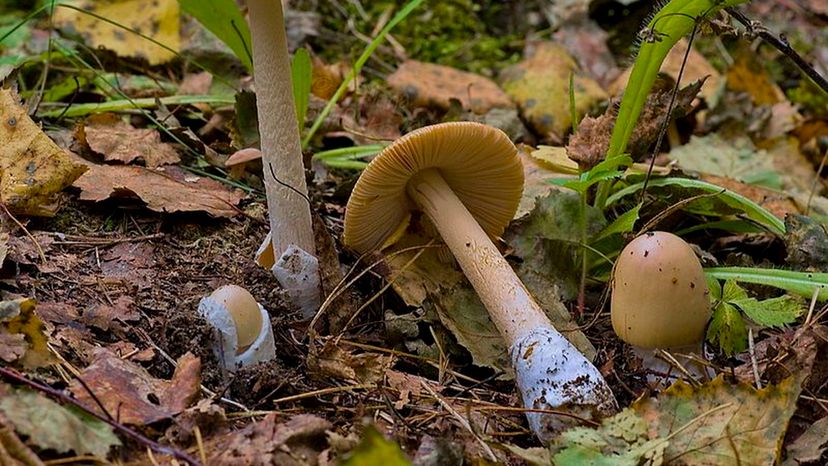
18,378
779,43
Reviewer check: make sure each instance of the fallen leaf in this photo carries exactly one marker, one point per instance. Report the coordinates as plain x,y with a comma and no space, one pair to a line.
117,140
426,84
158,19
589,144
4,246
749,75
715,423
331,361
103,316
294,442
325,79
736,158
808,447
32,167
51,426
130,394
806,242
719,422
376,449
407,385
130,263
540,86
12,448
24,333
539,168
167,189
778,203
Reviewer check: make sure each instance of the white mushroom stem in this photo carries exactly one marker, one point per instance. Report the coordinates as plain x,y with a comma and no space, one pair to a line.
287,192
551,372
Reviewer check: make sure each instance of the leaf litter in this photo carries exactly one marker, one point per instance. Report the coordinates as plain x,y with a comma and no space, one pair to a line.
145,233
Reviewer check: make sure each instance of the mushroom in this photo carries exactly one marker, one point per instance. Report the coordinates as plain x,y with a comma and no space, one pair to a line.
468,179
659,296
296,266
244,335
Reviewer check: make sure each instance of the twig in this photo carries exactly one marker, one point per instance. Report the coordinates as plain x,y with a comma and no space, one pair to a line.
753,362
18,378
463,421
779,43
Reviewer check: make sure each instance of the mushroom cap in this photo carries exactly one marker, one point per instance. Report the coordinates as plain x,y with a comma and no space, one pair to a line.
244,310
659,293
479,162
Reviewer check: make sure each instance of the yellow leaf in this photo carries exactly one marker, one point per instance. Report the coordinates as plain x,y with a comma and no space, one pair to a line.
17,317
721,423
32,167
158,19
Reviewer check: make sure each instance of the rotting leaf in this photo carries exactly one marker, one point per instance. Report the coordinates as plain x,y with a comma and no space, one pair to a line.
108,135
332,361
734,158
32,167
158,19
273,440
810,446
721,423
589,144
169,189
23,331
128,391
51,426
715,423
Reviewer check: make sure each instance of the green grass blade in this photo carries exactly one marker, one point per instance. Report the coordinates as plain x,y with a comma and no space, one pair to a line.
753,210
800,283
667,27
366,54
301,75
76,110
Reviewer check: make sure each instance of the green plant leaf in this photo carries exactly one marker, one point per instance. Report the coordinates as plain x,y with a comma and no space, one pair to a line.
751,209
223,18
774,312
727,330
375,449
623,224
606,170
799,283
301,75
732,292
670,24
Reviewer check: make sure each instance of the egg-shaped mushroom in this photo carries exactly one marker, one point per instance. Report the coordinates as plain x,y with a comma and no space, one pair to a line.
659,293
244,310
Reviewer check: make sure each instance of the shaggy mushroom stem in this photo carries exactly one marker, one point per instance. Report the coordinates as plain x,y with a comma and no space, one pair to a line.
291,230
512,309
549,370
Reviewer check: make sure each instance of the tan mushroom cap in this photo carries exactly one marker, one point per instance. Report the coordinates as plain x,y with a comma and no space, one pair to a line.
244,310
479,162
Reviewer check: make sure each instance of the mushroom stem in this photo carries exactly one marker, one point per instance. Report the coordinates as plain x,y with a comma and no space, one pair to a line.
512,309
290,219
550,372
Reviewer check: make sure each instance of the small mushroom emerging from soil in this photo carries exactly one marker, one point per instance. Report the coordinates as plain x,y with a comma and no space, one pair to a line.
468,179
659,295
243,333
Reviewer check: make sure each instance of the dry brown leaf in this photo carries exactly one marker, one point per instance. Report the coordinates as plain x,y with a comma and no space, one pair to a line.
32,167
426,84
589,144
167,189
19,320
778,203
131,395
332,361
117,140
292,442
103,316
